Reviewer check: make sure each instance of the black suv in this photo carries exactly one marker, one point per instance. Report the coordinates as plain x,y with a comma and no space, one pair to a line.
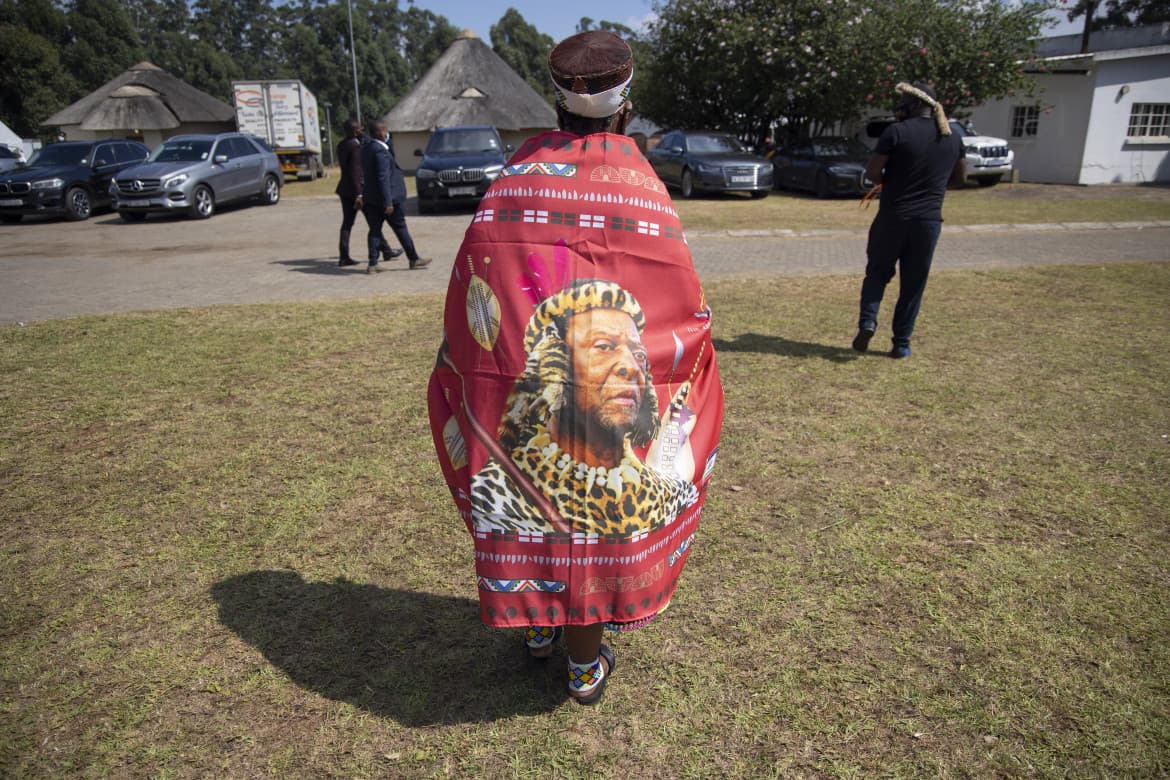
68,179
460,163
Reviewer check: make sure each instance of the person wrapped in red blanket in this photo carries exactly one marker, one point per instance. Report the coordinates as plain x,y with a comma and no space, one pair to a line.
576,405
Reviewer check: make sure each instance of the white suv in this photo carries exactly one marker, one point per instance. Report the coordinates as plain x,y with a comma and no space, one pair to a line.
988,159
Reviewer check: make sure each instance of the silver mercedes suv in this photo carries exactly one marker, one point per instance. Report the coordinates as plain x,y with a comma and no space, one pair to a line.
196,173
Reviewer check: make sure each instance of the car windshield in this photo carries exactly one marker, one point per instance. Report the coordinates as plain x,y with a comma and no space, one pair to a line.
182,151
714,143
464,142
7,153
63,154
961,131
846,148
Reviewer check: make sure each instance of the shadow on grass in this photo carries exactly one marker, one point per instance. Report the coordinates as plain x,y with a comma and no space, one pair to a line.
778,345
418,658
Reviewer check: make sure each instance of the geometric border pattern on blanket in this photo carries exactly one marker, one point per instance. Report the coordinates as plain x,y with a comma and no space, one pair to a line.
493,585
540,169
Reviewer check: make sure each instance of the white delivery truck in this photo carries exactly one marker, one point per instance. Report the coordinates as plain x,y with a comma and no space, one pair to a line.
284,114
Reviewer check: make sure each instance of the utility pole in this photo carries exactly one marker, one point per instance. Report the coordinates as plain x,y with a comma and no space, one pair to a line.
329,129
353,59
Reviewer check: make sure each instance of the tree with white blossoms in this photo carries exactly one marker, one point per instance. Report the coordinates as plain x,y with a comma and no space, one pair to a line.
745,66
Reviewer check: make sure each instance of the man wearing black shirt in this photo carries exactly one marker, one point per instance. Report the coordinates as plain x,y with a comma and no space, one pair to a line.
914,161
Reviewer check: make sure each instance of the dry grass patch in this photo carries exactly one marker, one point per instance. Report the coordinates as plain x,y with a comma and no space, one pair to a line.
229,550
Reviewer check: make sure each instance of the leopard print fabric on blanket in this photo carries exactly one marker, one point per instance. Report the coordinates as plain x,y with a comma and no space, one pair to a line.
622,501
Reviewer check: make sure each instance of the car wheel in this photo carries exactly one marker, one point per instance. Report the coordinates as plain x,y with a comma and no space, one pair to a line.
688,184
202,202
132,216
988,181
11,219
822,186
271,194
77,204
757,194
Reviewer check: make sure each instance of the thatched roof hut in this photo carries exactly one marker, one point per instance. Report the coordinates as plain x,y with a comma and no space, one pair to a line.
468,85
146,103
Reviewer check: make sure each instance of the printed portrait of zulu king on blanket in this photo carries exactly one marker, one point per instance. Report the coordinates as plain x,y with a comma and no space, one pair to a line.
575,420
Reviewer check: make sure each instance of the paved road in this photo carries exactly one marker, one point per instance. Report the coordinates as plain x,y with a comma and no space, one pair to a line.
52,270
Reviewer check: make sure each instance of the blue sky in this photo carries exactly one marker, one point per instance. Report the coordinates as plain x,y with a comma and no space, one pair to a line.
555,19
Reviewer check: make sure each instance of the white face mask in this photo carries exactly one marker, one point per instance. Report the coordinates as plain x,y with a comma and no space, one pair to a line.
602,104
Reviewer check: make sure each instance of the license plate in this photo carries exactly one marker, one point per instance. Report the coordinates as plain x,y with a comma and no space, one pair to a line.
742,179
11,202
460,192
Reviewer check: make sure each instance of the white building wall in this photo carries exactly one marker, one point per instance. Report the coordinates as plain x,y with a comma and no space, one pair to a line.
1053,155
1080,137
1109,157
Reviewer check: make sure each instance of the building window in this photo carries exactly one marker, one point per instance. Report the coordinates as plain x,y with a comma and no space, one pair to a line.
1024,120
1149,120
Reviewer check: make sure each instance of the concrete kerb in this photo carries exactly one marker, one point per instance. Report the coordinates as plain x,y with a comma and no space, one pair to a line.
986,228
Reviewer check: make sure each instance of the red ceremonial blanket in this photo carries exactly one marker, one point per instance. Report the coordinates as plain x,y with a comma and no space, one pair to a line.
576,404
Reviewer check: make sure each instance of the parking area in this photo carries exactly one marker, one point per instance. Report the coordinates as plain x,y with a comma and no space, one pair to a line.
51,269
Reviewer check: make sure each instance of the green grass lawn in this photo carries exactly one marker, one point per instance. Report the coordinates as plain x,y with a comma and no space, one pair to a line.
229,552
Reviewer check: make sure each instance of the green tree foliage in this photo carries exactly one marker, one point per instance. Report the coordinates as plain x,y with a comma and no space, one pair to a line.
1119,13
585,24
56,51
33,83
164,27
810,64
245,30
102,42
425,36
525,49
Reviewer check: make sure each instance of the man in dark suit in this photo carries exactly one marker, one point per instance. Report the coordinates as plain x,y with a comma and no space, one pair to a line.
383,197
349,190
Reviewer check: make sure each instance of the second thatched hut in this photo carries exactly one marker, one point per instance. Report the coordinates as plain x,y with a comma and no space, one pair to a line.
468,85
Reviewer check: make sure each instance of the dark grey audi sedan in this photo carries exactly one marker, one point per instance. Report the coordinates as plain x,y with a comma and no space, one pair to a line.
696,161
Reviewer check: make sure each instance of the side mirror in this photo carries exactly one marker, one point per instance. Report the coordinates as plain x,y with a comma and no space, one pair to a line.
220,159
101,162
418,152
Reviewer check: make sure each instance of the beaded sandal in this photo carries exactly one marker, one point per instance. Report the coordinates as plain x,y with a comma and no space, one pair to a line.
539,640
606,662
